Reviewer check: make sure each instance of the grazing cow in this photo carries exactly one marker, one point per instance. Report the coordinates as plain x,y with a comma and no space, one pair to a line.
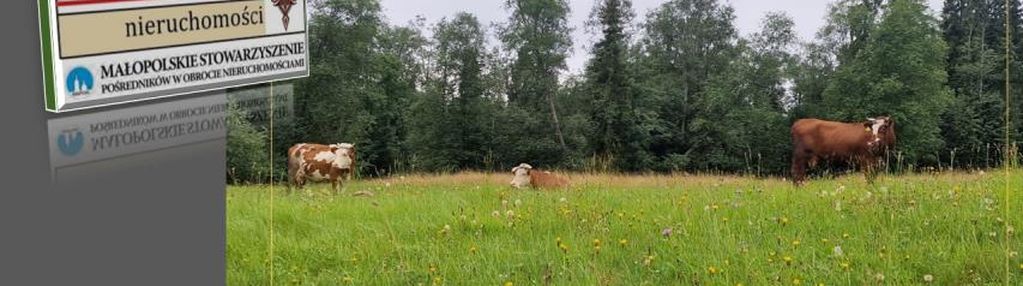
526,176
315,162
861,144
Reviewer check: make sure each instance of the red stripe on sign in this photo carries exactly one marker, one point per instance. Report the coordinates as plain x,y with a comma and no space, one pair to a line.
90,2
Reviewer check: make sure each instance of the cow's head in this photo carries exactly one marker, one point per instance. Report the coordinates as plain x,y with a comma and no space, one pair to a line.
882,131
343,148
521,173
344,154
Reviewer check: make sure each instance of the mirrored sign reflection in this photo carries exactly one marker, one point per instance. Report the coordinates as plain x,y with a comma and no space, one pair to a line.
98,145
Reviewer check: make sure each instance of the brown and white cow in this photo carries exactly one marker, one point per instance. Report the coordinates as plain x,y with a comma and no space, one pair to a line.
317,163
525,176
861,144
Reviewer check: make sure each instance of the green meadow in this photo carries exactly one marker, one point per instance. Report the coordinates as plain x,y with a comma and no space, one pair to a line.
472,229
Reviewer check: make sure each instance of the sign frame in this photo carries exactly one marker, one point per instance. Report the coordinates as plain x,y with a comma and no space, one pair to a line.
57,97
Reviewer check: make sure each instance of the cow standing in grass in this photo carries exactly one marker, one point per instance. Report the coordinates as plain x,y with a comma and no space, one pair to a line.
861,144
525,176
317,163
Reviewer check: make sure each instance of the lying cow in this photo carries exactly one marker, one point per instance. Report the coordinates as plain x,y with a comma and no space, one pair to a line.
317,163
862,144
525,176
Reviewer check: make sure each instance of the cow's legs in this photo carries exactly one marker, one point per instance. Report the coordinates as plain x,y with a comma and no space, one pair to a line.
299,182
298,176
292,179
798,167
336,185
869,168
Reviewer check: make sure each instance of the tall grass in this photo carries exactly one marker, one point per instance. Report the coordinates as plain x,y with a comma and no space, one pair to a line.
471,229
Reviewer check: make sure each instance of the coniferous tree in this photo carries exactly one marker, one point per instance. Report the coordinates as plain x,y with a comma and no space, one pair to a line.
616,135
974,125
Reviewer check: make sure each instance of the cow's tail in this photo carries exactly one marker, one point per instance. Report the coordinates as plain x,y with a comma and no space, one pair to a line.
293,151
294,164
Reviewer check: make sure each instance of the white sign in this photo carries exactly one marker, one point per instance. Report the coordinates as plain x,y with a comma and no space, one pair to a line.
105,52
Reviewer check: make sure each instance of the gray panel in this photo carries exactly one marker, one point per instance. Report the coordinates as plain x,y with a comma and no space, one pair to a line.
153,218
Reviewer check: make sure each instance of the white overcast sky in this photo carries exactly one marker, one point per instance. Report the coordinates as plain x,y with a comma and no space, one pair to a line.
808,16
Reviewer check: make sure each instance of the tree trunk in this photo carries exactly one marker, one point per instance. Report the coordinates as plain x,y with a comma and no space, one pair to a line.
557,123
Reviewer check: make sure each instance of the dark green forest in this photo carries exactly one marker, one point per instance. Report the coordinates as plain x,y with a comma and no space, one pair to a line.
679,91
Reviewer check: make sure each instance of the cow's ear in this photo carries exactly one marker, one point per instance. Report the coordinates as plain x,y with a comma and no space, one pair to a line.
868,125
516,169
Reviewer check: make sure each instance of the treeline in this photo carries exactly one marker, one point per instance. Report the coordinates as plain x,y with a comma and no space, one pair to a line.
681,90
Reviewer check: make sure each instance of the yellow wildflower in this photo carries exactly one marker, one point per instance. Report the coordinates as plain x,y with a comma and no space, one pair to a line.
648,260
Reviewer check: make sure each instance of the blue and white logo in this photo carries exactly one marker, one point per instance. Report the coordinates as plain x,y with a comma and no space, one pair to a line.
71,142
79,81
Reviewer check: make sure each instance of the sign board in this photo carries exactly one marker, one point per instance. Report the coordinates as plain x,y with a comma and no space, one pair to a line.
106,52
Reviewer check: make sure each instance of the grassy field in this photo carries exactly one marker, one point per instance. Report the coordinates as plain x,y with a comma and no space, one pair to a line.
471,229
